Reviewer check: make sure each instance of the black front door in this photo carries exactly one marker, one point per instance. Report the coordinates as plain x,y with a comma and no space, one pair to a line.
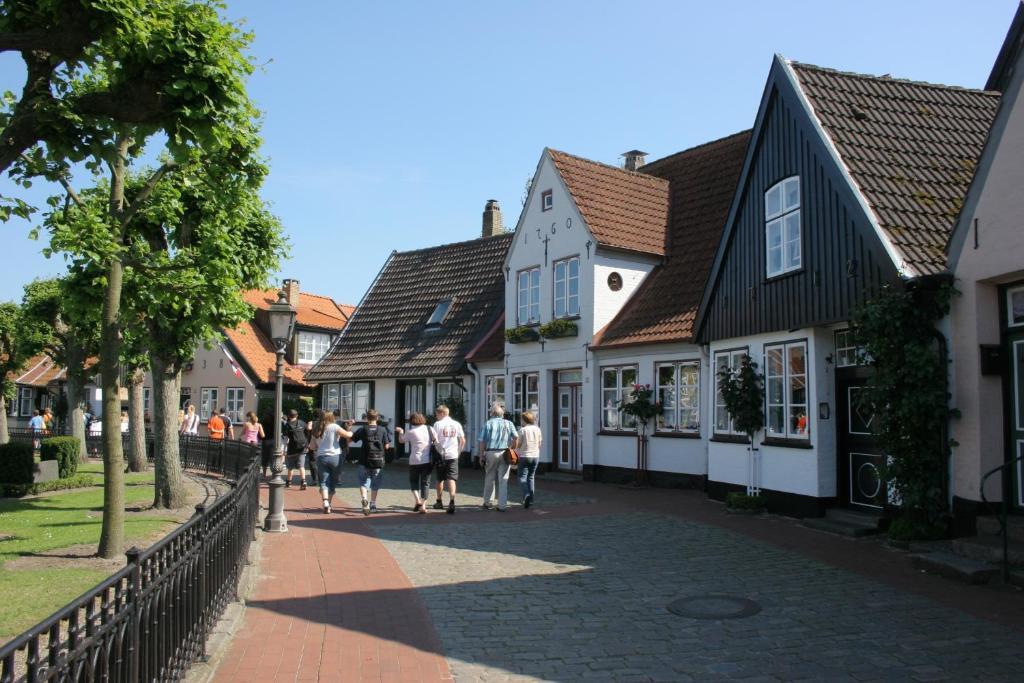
861,460
411,397
1013,325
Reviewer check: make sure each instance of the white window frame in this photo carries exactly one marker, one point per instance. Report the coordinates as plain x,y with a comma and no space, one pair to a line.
787,430
443,390
440,313
848,354
613,419
685,397
312,346
26,397
780,221
234,401
492,392
330,397
569,302
733,358
526,394
147,396
547,200
528,307
351,399
1009,311
208,399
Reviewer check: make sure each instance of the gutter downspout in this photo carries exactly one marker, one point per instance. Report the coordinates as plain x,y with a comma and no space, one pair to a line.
474,402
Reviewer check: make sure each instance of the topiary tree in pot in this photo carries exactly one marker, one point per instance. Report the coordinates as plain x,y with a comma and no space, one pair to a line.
643,408
743,394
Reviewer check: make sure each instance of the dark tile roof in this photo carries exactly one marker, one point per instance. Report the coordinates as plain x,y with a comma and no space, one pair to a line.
492,346
702,181
387,336
911,148
624,209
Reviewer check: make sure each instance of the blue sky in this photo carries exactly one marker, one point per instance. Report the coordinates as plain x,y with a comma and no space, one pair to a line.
388,125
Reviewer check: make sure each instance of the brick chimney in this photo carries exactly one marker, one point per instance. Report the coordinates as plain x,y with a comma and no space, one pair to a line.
634,159
291,291
492,219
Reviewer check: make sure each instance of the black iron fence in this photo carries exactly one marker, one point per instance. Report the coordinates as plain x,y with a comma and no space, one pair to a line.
150,620
93,442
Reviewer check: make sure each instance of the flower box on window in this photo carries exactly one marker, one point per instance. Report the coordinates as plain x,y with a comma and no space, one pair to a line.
559,328
521,335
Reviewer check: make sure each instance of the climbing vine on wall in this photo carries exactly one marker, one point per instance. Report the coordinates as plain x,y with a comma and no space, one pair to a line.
907,391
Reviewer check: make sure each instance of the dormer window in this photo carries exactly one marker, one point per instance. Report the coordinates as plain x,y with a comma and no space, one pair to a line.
546,200
312,346
782,227
440,313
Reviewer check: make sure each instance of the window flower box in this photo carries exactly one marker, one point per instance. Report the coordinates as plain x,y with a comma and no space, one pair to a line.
521,335
558,328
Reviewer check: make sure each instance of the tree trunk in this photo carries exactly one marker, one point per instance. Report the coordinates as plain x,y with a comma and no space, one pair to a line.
4,434
112,532
136,422
170,484
76,405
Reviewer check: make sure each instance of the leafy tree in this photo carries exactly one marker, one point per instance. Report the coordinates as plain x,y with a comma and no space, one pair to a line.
743,394
10,360
199,65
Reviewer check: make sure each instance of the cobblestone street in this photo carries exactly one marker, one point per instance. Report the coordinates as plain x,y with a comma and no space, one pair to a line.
579,588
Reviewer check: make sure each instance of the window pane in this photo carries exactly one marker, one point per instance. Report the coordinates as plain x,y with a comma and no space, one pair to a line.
776,392
792,193
797,359
628,378
774,261
776,422
609,379
574,305
667,392
798,421
775,234
793,240
773,361
609,409
574,268
773,201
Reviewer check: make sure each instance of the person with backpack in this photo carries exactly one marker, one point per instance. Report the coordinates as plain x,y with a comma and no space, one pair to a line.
376,441
295,459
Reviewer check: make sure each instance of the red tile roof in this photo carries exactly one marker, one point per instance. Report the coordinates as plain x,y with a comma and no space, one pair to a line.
623,209
312,310
702,181
911,148
39,371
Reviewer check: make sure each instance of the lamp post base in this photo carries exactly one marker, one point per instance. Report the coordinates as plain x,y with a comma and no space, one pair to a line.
275,521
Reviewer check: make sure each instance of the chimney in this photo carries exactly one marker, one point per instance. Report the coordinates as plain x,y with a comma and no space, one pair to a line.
634,159
492,219
291,291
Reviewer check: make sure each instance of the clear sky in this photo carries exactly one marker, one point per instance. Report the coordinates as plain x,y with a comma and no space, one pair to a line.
389,124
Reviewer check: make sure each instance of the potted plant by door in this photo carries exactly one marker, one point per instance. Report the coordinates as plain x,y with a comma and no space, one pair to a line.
743,394
640,405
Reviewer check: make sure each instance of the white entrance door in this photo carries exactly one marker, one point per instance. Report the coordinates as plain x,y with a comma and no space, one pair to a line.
569,413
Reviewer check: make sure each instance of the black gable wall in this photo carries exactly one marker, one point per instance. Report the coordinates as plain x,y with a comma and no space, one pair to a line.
843,259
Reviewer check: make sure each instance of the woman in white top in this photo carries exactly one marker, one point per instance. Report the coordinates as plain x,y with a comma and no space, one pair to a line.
530,439
328,436
190,425
418,439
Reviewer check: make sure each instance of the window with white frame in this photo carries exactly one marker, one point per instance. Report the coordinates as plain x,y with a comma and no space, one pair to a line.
440,313
525,395
529,296
313,345
147,396
235,403
547,200
208,399
678,392
360,400
785,380
330,397
725,360
26,396
616,387
443,391
782,227
351,399
567,287
495,391
848,352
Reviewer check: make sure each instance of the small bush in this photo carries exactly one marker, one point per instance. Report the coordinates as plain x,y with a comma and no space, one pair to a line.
63,449
908,529
741,501
76,482
16,462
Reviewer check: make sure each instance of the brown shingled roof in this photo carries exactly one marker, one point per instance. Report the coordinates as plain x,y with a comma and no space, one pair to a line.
623,209
388,336
39,371
492,346
702,181
911,148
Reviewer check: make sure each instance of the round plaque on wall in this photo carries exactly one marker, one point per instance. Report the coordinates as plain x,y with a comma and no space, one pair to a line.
614,282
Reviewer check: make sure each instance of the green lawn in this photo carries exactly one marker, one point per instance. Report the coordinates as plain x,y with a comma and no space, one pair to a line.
34,525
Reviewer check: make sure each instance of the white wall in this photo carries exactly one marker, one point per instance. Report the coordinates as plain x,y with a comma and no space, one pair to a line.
803,471
607,303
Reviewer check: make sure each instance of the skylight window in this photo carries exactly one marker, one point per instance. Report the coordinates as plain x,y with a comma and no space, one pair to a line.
440,313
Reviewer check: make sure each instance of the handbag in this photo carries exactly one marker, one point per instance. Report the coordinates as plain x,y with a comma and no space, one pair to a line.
436,457
511,456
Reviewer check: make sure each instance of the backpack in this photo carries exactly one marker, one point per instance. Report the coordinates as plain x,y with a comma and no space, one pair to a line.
373,448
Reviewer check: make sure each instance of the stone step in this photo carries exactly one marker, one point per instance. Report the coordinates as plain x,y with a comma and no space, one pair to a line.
856,517
955,567
989,549
839,527
989,526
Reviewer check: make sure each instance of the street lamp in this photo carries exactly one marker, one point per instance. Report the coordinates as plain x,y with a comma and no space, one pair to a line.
282,324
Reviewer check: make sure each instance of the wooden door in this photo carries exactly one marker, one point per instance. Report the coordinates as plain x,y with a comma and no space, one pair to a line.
411,398
861,460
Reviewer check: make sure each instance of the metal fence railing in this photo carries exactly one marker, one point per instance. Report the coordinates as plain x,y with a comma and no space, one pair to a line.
93,442
150,620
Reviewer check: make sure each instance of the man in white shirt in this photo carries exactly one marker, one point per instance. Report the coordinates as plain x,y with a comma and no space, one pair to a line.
451,441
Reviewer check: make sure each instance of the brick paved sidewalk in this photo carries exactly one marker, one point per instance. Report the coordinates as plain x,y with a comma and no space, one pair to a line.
331,605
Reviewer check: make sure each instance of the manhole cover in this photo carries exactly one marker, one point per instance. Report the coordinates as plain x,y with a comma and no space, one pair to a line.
714,607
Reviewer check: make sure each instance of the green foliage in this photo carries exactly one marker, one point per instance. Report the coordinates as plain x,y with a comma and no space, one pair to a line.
16,462
743,395
741,501
521,334
303,405
76,481
907,528
559,327
907,390
640,404
11,356
63,449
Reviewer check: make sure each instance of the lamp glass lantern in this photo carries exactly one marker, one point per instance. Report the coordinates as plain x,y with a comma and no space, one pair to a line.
282,321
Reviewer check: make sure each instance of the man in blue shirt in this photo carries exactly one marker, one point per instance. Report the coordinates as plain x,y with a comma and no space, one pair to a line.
496,435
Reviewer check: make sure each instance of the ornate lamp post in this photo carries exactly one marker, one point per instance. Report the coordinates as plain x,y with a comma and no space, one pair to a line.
282,325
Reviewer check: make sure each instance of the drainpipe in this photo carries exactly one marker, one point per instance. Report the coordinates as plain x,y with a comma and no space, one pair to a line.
474,401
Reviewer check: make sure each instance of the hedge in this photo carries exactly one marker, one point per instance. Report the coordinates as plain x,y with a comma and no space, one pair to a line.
16,462
63,449
76,482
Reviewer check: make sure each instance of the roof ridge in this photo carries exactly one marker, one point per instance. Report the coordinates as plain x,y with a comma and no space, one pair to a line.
633,174
890,79
455,244
695,148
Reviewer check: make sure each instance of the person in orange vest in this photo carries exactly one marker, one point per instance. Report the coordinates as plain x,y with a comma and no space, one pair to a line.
216,427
